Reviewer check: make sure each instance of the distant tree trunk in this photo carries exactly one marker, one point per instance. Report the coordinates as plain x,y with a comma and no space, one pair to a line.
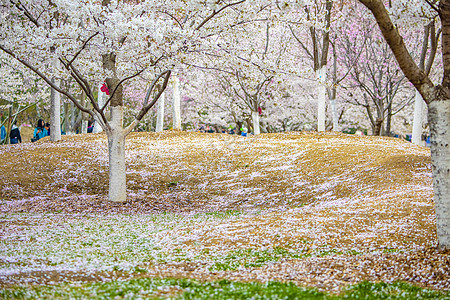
378,127
176,104
66,117
249,125
55,111
255,120
101,101
238,127
387,132
322,90
84,116
160,114
334,113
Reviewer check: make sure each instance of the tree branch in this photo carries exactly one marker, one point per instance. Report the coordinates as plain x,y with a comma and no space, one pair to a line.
395,41
48,81
82,48
145,108
217,12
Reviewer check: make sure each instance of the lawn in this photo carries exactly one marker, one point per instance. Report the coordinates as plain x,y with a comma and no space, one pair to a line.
220,216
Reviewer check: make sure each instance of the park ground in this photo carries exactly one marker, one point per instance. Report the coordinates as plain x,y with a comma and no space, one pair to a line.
328,212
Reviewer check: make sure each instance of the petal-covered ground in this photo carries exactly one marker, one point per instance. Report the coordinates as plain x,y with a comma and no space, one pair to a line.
322,210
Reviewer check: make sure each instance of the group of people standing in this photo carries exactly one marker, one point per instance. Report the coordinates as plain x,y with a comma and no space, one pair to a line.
42,130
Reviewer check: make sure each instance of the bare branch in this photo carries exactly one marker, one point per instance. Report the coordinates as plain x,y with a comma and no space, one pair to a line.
166,74
82,48
217,12
30,17
300,42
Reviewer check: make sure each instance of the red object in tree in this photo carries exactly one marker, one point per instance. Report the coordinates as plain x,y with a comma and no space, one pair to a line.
259,110
104,89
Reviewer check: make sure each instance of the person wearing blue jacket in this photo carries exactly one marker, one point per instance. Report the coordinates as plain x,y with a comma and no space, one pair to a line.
39,131
2,134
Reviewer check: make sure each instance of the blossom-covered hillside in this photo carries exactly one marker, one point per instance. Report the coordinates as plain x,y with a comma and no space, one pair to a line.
323,210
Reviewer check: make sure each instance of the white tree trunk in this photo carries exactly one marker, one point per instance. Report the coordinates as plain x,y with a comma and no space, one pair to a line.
321,77
176,104
84,126
160,114
101,101
439,120
417,121
73,118
55,113
255,119
116,147
335,115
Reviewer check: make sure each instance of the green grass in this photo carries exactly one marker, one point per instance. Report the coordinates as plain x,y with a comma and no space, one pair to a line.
247,258
148,288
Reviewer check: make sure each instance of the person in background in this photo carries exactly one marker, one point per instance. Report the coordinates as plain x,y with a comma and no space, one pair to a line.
2,134
90,126
47,127
14,136
244,131
39,131
2,130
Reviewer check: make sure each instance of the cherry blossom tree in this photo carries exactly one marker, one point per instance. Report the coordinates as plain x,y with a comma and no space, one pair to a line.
115,42
436,96
319,17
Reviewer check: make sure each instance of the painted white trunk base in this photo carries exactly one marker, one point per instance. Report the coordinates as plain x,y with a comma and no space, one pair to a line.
116,147
55,113
335,115
321,77
160,114
439,120
100,101
255,120
84,126
417,121
176,104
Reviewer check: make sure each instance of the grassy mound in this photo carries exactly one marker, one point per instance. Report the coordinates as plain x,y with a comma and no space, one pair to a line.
319,210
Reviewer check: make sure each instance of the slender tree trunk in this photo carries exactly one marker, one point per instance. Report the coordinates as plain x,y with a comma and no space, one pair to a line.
255,119
439,120
238,127
387,132
417,121
249,125
116,148
332,96
321,77
176,104
101,101
334,115
84,116
55,109
160,114
66,117
73,119
55,112
378,126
